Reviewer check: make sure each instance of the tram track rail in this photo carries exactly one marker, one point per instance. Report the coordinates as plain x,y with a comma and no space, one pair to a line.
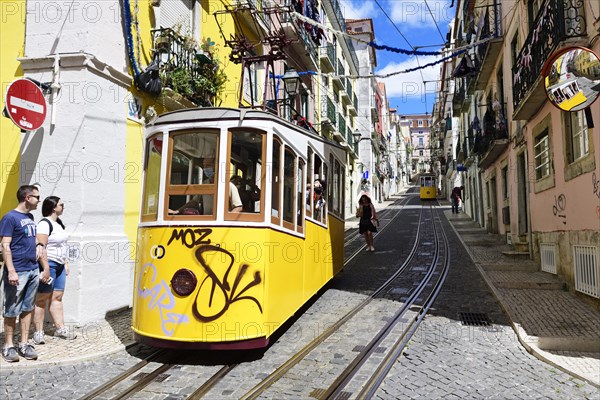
276,375
371,384
217,377
105,387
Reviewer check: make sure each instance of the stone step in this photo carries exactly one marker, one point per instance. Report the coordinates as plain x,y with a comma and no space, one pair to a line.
571,343
529,285
521,255
522,247
526,267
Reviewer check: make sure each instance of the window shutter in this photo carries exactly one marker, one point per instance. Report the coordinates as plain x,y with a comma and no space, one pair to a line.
176,14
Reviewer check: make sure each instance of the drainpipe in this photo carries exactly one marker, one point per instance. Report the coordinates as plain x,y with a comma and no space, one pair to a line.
55,86
529,233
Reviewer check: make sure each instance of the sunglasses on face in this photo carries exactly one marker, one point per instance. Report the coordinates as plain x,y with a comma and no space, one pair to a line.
37,197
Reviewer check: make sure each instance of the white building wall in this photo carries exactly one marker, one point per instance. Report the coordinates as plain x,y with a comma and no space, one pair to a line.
81,158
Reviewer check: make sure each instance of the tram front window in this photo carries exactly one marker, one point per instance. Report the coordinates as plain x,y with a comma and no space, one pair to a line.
191,185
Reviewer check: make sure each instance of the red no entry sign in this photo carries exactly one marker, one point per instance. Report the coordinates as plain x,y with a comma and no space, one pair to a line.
26,105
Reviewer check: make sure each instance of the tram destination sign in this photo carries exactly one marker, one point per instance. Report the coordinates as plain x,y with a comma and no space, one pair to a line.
26,105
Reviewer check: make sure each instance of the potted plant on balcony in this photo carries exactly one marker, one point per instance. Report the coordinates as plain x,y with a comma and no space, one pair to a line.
181,82
210,77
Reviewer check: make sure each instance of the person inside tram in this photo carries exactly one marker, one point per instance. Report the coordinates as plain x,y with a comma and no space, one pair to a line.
235,201
318,198
200,204
249,193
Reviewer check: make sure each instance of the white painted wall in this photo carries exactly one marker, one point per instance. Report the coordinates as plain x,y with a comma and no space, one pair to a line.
81,158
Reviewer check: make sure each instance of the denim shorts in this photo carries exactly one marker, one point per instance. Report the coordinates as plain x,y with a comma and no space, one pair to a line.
59,278
21,298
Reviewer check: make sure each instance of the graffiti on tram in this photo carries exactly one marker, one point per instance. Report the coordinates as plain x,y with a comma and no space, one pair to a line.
221,285
220,289
161,299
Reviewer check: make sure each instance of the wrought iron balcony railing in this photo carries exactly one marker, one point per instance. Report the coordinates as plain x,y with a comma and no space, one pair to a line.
349,88
328,110
556,21
329,52
185,68
342,125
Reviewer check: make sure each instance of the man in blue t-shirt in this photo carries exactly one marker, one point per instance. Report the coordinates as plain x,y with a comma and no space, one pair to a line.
21,274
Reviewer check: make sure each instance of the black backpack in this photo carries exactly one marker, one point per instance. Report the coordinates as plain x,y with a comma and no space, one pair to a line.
49,223
149,80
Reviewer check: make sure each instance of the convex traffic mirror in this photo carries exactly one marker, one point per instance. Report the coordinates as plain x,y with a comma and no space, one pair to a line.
572,78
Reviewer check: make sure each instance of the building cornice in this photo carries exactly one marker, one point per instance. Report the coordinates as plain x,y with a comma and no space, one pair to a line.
76,60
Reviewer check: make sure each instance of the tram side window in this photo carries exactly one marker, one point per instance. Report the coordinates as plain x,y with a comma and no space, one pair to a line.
275,182
309,184
289,165
336,188
300,195
152,163
191,187
320,190
245,172
330,179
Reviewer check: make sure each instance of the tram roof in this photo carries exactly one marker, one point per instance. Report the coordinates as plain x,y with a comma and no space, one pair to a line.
219,114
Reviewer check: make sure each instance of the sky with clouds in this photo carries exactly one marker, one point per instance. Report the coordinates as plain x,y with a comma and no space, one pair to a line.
406,24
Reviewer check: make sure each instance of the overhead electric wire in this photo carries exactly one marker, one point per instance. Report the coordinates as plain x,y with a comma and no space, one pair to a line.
404,37
434,21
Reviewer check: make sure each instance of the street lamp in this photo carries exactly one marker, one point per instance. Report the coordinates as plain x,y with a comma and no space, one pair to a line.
291,81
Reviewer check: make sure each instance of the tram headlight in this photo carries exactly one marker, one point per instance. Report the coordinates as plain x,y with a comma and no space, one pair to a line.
184,282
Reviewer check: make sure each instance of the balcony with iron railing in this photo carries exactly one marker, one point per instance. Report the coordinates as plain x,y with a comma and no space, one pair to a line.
490,144
340,133
189,75
339,80
352,107
251,12
302,43
337,12
556,21
328,121
352,51
352,145
327,58
489,51
345,94
458,97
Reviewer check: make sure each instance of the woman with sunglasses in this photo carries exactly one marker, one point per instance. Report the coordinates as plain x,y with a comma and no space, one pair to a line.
51,234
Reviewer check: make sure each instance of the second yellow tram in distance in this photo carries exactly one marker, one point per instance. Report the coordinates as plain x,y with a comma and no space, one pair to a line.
428,187
233,237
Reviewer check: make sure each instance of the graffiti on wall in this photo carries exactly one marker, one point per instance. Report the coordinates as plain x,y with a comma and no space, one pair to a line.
596,185
559,207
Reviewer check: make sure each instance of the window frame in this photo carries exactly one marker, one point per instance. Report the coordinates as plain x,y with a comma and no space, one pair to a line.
285,223
276,220
245,216
151,217
586,162
543,131
195,189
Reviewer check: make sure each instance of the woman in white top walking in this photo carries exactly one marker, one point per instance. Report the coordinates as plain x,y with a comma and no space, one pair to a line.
51,234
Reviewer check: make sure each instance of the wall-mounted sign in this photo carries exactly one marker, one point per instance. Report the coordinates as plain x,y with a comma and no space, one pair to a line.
26,104
365,175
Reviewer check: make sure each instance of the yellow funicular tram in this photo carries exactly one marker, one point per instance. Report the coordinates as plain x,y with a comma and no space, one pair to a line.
428,187
234,236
